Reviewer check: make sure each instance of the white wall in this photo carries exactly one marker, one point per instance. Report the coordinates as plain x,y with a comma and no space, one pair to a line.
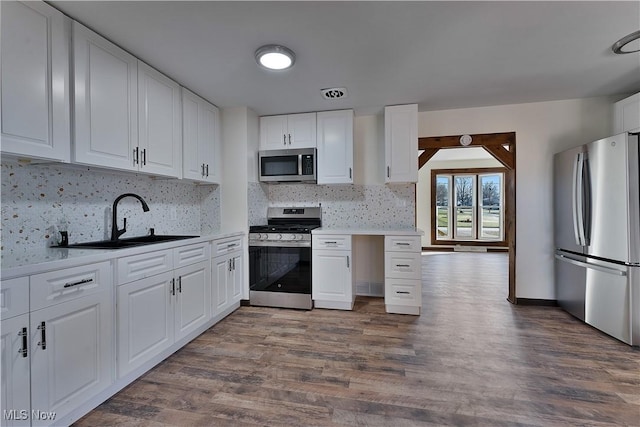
423,189
239,141
542,129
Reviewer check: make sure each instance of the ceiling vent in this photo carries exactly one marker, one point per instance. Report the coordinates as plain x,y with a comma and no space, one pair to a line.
332,93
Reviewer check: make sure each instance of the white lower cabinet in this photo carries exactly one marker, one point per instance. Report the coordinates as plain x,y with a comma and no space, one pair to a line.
155,312
145,320
59,355
15,393
403,274
227,283
332,284
71,355
192,294
226,273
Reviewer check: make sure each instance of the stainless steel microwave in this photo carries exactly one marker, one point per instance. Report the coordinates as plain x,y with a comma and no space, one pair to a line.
293,165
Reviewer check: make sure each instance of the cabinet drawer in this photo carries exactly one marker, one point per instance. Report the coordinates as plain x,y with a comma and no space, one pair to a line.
342,242
14,297
403,292
54,287
403,265
402,243
191,254
144,265
225,246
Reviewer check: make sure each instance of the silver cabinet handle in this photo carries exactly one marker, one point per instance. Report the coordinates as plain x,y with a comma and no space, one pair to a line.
172,291
403,265
234,263
403,292
207,171
43,335
388,172
289,139
23,351
180,284
136,157
144,157
284,139
348,261
331,243
350,173
79,282
202,173
402,244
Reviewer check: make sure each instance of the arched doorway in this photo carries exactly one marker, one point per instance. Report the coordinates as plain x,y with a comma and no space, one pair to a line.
502,146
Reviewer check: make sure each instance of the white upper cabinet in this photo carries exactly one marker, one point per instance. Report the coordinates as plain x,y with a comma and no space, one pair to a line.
335,147
35,81
201,139
626,114
160,123
106,108
401,143
127,115
288,131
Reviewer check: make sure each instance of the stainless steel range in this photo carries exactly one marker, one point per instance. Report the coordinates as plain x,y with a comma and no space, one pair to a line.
280,258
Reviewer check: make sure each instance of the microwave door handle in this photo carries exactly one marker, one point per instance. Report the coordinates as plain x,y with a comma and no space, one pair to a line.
299,164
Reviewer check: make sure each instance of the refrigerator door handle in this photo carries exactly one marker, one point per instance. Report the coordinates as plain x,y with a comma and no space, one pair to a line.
589,265
576,190
586,201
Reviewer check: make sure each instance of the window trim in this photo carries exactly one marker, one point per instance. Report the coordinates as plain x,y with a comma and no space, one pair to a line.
467,171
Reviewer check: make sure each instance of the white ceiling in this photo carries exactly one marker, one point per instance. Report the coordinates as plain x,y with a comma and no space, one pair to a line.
441,55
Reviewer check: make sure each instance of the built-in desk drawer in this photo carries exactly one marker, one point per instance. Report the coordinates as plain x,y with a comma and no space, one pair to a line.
59,286
403,265
403,292
402,243
342,242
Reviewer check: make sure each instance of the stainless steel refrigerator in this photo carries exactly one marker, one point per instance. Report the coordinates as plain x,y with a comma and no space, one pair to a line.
597,234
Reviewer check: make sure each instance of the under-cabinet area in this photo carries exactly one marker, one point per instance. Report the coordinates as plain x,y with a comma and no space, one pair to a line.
76,330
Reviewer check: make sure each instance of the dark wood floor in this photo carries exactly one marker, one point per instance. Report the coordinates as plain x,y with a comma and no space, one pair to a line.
470,359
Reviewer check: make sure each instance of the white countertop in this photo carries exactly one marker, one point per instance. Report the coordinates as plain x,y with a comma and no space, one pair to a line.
369,231
46,259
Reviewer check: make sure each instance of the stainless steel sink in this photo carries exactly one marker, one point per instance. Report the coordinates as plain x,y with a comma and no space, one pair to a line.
126,243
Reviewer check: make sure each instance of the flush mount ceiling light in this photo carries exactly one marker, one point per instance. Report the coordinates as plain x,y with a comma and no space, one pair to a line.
275,57
617,46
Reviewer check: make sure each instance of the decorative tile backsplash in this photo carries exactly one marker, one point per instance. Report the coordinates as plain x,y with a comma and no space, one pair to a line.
352,206
39,200
257,196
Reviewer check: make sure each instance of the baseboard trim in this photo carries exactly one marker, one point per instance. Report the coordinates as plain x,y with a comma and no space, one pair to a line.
537,302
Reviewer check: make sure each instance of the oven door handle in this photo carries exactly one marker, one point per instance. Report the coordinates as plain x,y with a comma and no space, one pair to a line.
281,244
